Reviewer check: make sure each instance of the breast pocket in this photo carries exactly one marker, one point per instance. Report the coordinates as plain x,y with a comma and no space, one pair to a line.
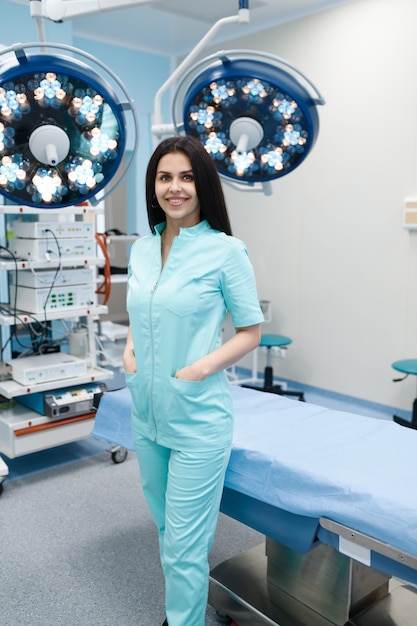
184,303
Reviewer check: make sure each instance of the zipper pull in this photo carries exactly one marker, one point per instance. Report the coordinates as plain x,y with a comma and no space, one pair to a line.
153,288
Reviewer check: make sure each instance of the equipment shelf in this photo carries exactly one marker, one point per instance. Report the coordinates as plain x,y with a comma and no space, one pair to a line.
22,430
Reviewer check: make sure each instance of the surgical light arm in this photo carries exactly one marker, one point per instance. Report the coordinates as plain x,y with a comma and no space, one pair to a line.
158,128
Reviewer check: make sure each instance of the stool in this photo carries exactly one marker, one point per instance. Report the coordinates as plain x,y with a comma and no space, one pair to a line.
268,342
407,366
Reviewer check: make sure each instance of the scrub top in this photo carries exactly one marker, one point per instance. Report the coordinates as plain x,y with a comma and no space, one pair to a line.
176,316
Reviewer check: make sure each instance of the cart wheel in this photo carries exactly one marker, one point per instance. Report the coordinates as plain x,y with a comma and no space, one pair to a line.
118,454
222,618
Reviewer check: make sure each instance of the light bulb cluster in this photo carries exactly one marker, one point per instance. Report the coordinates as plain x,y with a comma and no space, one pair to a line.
13,103
6,137
75,104
217,98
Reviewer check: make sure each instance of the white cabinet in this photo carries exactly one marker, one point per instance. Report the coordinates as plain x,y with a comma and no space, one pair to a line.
48,282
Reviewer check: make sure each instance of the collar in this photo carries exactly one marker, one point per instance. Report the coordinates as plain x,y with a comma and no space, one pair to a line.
199,228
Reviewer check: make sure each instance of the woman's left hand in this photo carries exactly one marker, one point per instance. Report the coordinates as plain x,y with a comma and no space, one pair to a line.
190,372
243,341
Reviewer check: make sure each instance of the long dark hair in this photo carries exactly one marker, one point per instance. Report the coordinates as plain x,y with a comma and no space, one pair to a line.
207,183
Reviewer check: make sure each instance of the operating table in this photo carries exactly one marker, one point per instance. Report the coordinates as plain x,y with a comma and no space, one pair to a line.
334,495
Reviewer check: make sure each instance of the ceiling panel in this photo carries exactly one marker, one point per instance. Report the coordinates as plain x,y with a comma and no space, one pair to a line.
174,27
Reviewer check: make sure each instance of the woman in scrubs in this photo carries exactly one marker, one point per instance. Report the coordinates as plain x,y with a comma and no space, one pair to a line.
183,279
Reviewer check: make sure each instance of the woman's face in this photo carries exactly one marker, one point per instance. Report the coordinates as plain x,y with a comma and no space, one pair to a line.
175,190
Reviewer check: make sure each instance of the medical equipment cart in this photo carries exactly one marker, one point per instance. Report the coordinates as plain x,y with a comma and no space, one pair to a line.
48,278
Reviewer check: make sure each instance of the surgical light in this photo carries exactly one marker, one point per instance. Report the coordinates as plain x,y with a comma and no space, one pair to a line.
254,113
63,127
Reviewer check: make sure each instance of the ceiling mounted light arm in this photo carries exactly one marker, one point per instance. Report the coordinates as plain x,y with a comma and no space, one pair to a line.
158,127
63,126
36,13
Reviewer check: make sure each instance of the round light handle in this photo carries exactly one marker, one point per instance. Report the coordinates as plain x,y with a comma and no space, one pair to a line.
49,144
246,133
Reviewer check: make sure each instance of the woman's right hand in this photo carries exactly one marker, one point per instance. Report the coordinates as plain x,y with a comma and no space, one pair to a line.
129,362
129,359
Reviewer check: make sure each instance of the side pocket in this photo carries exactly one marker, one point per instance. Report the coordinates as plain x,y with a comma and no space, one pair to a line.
131,383
129,376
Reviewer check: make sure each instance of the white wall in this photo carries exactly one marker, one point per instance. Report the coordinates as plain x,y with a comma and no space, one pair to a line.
328,246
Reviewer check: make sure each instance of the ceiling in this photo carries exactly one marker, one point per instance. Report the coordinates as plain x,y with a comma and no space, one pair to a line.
174,27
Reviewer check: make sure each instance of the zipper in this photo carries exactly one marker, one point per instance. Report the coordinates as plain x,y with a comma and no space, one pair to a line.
152,357
153,289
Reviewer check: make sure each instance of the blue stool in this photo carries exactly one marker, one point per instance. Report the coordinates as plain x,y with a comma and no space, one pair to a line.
407,366
268,342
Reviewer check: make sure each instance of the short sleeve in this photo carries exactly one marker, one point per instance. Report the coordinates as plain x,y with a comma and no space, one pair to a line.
239,287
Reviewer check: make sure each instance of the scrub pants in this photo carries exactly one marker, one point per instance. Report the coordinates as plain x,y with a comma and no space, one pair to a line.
183,490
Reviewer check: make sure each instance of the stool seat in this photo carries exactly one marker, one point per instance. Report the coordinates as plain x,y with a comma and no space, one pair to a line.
274,341
269,341
407,366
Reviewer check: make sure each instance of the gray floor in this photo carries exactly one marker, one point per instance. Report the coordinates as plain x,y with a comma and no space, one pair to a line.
78,548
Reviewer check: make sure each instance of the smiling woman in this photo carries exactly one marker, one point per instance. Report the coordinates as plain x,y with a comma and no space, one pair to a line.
183,279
